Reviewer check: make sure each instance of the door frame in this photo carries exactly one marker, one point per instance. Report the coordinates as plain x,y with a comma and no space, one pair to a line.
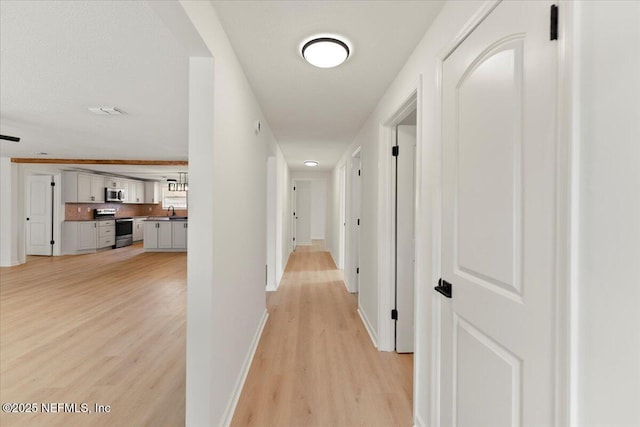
342,213
386,209
566,220
352,235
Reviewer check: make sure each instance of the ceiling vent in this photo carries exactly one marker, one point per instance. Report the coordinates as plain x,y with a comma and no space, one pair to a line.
108,111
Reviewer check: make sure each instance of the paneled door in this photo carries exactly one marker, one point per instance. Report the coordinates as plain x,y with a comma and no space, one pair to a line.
498,219
303,213
39,209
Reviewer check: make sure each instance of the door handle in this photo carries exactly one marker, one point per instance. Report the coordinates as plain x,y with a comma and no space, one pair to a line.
444,287
27,219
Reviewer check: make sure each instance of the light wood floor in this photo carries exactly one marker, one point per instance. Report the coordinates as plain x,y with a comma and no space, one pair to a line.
105,328
315,364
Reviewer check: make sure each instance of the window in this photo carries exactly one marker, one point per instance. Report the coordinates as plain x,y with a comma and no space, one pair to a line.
177,199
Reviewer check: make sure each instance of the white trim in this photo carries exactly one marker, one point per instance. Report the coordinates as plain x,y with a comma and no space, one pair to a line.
386,211
367,326
436,225
417,420
566,222
246,365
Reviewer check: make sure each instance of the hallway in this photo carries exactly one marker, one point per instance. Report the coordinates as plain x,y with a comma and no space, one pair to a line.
315,364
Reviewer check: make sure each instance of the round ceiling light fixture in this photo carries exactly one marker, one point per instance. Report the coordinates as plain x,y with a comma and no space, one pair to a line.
325,52
311,163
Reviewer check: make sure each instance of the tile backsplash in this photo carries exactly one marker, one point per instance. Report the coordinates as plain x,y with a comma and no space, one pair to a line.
123,210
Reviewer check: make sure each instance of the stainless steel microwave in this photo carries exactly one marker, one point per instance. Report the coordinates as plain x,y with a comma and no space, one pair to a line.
114,195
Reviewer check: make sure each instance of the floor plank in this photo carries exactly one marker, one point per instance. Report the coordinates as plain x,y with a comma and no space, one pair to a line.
105,328
315,364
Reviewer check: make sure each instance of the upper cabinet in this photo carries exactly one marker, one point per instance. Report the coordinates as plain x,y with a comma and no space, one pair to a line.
134,192
151,192
113,182
78,187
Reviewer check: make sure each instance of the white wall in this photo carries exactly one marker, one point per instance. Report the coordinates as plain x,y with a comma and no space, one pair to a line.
421,66
226,300
608,276
272,182
8,213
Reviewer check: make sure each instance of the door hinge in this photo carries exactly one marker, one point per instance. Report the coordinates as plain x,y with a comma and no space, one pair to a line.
358,221
358,172
358,270
53,242
444,287
294,239
395,150
394,314
53,184
553,31
294,188
294,214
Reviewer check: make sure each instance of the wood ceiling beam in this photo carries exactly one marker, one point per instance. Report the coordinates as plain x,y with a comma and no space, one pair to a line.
101,162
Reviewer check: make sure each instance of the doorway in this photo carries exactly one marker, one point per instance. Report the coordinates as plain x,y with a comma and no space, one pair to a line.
302,213
404,195
354,219
343,215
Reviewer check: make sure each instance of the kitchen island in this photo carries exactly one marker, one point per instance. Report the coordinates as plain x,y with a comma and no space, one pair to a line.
165,234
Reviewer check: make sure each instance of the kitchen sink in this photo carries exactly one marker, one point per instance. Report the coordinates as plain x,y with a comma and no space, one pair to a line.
167,218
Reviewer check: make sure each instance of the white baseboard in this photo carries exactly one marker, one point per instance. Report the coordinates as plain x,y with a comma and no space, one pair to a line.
237,390
367,326
11,263
417,422
272,287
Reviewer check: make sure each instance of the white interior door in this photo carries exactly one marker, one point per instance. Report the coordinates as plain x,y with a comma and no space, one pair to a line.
356,189
303,212
498,239
343,215
404,235
39,224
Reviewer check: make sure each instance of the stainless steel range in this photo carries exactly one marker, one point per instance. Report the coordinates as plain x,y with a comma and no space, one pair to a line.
124,226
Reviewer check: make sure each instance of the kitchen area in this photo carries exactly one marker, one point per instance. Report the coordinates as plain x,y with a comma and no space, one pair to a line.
103,212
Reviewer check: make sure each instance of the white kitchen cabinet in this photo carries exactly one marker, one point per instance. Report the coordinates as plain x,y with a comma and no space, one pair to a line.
138,229
113,182
134,191
152,192
87,235
106,234
78,187
139,185
179,240
159,235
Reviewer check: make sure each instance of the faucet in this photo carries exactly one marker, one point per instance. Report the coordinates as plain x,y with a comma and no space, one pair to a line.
173,209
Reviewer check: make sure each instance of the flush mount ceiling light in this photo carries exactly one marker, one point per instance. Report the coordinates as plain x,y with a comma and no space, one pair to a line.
311,163
325,52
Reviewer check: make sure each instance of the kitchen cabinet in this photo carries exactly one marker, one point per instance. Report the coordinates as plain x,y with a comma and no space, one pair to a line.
138,229
86,236
106,234
165,235
78,187
134,191
152,192
113,182
179,240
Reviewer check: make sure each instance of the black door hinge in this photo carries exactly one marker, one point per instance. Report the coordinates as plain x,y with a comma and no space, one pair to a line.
358,221
395,150
53,184
444,288
553,31
358,270
358,172
294,214
294,188
53,242
394,314
294,239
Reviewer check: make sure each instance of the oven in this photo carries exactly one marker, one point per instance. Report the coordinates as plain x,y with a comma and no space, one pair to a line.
124,232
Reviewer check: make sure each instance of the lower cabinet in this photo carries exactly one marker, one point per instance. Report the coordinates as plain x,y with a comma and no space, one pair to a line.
86,236
165,235
138,229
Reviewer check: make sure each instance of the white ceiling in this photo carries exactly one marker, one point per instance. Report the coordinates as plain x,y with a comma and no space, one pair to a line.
315,113
57,58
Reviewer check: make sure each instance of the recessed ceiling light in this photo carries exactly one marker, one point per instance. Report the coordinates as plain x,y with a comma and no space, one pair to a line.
311,163
107,111
325,52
